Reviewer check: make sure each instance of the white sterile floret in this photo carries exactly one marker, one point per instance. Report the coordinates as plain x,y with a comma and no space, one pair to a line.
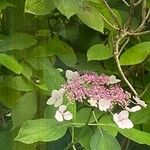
140,102
62,114
57,98
113,80
122,120
71,75
133,109
93,102
104,105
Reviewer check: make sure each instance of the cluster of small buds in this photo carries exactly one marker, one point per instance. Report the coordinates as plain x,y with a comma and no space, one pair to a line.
100,91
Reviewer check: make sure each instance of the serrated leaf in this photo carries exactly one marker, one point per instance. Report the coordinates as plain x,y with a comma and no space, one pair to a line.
17,41
135,54
39,7
41,130
10,63
67,8
91,16
101,140
99,52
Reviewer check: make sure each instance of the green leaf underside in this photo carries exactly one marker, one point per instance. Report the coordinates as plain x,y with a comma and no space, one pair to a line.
135,54
41,130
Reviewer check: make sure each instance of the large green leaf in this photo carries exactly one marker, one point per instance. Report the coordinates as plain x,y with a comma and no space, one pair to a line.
105,120
91,16
136,135
135,54
83,136
10,63
41,130
101,140
64,52
67,8
18,83
17,41
39,7
99,52
25,109
52,78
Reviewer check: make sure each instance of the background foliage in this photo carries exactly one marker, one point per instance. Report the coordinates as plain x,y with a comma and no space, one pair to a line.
40,36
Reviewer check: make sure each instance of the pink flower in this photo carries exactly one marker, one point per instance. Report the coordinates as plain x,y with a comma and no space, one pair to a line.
140,102
122,120
57,98
62,114
104,104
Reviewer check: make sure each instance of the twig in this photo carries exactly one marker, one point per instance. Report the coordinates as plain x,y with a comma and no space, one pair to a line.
111,12
126,3
123,46
138,2
139,33
116,54
143,22
131,14
113,26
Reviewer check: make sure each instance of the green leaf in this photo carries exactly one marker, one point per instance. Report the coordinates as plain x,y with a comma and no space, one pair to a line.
41,130
52,78
64,52
67,8
10,63
148,3
101,140
135,54
105,120
17,41
83,136
91,16
9,99
39,7
18,83
6,140
99,52
136,135
4,4
27,71
25,109
141,116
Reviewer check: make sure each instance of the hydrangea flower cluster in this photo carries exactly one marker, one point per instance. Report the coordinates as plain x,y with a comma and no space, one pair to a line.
100,91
